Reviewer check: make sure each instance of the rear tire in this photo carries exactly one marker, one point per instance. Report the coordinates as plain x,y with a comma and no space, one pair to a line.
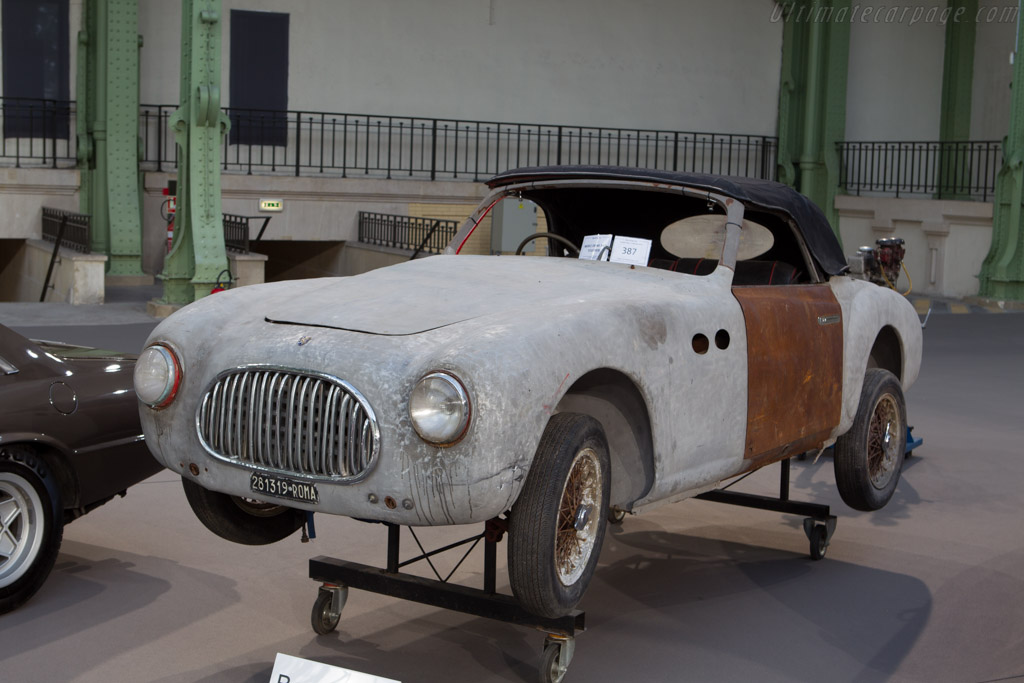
242,520
31,525
869,457
557,525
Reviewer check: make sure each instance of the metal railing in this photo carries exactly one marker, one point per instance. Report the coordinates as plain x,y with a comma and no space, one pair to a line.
74,234
351,145
37,132
236,231
406,232
943,170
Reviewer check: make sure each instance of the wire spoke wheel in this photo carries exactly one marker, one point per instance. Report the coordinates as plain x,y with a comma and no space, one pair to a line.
882,441
869,457
577,523
556,526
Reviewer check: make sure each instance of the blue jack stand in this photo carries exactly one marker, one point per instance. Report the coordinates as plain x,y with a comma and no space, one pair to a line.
912,443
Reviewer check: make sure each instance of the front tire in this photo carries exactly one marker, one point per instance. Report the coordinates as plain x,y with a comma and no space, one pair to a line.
31,525
869,457
242,520
557,525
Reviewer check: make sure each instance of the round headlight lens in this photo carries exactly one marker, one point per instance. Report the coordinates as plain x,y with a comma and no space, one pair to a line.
157,376
439,408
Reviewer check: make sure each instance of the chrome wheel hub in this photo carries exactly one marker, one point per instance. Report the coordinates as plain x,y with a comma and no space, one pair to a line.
577,524
884,442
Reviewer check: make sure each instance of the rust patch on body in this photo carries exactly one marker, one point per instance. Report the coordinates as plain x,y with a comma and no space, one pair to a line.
795,366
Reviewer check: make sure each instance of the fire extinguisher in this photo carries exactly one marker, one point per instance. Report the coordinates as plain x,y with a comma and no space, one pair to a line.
222,283
168,208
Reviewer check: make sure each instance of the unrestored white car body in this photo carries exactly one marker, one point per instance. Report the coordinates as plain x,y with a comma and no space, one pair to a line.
528,337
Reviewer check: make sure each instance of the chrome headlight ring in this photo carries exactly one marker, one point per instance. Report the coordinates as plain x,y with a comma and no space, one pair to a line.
440,409
157,375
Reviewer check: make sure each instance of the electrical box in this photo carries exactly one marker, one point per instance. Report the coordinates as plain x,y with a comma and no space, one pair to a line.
512,221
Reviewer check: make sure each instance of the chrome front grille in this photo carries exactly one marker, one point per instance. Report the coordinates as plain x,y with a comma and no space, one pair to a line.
290,421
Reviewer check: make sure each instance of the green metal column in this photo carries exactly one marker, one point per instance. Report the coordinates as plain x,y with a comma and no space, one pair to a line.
1002,273
197,254
812,98
108,110
957,84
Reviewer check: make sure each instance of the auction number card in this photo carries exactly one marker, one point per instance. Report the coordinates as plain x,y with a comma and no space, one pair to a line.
593,245
633,250
288,669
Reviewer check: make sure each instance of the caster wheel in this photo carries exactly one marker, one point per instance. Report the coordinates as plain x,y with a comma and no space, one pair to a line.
819,541
551,670
322,619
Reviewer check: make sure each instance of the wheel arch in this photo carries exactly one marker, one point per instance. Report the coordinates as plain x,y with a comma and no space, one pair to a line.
887,352
55,455
613,399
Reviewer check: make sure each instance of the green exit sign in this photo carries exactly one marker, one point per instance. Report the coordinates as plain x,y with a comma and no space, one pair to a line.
271,205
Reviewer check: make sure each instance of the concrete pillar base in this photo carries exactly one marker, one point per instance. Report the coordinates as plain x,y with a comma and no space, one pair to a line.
129,280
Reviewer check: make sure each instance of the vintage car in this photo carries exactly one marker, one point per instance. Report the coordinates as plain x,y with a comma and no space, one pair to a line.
70,441
708,330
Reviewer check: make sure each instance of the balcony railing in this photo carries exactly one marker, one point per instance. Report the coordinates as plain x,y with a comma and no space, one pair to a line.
36,132
943,170
236,231
353,145
406,232
70,230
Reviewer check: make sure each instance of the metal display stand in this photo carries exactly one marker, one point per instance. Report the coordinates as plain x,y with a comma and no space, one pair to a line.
337,576
819,522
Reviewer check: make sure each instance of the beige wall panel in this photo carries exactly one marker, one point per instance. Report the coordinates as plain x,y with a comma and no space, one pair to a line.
666,64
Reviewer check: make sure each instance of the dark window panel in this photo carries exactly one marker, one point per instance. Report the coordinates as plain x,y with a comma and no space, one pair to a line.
35,68
259,78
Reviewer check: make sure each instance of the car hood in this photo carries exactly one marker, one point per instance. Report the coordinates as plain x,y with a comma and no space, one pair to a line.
435,292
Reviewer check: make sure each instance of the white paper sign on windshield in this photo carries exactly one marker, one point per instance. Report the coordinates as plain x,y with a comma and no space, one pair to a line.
593,245
634,250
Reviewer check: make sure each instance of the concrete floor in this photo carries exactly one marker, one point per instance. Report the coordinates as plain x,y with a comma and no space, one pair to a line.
929,589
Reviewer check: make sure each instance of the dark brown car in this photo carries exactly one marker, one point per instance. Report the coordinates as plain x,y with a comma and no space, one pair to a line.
70,441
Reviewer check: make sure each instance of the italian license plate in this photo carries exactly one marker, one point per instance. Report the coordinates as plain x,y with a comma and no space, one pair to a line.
279,487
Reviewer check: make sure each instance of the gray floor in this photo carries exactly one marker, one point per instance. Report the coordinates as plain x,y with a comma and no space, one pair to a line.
929,589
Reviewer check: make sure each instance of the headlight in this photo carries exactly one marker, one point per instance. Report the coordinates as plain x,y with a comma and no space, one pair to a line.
157,376
439,408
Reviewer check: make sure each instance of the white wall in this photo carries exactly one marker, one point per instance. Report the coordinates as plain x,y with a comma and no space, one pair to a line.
663,64
894,86
990,106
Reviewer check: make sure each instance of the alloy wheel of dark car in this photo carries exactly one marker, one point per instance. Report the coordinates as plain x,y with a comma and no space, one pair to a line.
557,525
31,525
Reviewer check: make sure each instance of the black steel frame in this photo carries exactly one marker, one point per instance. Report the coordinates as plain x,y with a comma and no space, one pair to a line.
816,511
440,592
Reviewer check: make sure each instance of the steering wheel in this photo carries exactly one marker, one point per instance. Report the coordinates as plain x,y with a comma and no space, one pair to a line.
550,236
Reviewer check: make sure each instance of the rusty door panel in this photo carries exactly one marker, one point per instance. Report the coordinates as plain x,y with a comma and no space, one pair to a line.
795,365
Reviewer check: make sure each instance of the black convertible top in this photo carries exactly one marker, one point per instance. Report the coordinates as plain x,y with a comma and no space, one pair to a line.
763,195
